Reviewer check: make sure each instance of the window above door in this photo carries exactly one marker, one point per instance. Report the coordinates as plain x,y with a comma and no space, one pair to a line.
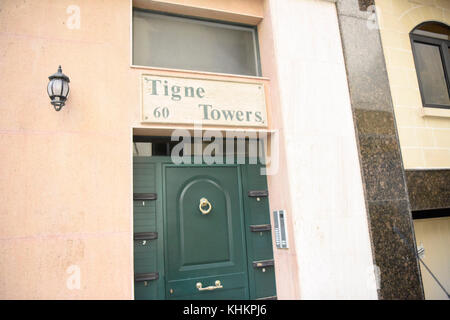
178,42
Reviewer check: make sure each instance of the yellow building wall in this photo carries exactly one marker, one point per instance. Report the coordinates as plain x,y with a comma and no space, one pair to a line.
434,236
424,132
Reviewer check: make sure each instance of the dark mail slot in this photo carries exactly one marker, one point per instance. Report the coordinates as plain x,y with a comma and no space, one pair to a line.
144,196
258,193
146,276
146,236
260,227
263,263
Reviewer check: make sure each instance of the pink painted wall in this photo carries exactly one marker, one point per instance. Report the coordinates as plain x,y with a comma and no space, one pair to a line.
66,177
286,266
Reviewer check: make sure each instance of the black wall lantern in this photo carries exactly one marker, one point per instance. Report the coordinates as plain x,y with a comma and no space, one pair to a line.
58,89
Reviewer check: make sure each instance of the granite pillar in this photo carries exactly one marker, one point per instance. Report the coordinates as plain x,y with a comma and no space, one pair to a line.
428,189
387,202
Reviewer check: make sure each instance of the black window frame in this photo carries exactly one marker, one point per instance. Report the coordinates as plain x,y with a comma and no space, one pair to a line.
444,48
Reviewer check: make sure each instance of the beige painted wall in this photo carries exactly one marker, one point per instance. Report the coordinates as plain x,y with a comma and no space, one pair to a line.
434,236
424,132
248,11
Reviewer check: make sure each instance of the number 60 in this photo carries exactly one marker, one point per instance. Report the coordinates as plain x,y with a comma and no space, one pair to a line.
158,112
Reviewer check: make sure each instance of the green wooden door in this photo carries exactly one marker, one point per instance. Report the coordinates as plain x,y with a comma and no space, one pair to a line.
176,246
205,248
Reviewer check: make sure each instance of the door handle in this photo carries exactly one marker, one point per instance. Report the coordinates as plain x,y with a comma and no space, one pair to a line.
204,203
218,285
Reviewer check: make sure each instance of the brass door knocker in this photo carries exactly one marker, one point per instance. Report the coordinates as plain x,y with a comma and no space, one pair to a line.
205,203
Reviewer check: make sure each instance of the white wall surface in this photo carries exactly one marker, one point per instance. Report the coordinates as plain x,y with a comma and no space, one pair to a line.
330,222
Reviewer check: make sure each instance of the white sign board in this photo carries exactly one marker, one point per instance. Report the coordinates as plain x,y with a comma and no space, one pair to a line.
209,102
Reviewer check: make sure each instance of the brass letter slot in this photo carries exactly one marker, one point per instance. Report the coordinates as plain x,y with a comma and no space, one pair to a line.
146,276
217,285
258,193
146,236
144,196
260,228
263,263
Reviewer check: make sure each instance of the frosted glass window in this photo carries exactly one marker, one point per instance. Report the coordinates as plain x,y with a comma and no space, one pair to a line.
431,73
182,43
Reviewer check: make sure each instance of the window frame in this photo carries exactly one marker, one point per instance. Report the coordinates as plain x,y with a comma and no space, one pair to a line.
444,48
196,19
